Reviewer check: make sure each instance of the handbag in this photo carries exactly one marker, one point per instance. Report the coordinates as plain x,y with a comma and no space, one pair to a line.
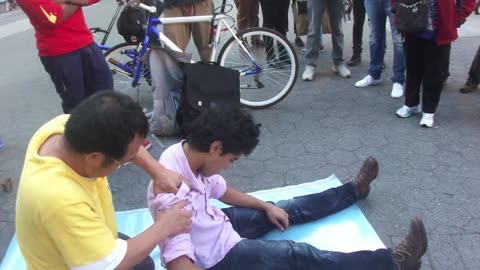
205,85
412,15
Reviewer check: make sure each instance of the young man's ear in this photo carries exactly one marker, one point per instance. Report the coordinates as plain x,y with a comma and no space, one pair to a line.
216,147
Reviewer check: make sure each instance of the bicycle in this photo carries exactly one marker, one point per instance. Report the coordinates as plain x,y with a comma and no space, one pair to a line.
265,79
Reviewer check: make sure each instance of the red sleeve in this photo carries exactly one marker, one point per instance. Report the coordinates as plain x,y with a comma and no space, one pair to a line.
42,12
467,9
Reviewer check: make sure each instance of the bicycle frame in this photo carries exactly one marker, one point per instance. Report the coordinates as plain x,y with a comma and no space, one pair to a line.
152,29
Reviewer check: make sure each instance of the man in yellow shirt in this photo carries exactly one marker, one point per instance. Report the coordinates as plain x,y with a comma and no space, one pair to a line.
65,217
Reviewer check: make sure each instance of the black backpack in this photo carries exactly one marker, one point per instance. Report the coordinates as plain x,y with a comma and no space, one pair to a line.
205,85
132,21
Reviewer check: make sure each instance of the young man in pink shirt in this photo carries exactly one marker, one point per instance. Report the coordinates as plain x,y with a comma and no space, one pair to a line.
226,238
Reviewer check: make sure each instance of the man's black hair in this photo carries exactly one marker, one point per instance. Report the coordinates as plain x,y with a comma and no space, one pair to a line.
234,127
106,122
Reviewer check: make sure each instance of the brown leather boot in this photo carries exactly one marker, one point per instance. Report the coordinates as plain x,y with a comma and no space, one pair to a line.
407,255
365,176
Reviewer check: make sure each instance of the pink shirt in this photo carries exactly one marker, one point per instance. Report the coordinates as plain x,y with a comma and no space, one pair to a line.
212,234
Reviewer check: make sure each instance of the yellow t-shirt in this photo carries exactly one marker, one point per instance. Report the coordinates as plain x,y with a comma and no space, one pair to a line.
63,220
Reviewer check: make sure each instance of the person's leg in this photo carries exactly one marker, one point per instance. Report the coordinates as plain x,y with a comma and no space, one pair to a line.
284,255
67,75
98,75
477,7
357,36
474,72
254,20
201,31
281,19
415,61
432,86
242,14
398,52
178,33
377,18
315,11
251,223
146,264
336,9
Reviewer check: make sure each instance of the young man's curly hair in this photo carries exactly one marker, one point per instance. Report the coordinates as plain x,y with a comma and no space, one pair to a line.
234,127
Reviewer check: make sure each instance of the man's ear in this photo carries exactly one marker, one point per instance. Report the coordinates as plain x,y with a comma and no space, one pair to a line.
216,147
94,158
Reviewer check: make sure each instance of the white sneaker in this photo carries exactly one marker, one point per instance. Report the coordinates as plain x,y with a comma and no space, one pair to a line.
427,120
308,73
342,70
368,80
397,90
406,111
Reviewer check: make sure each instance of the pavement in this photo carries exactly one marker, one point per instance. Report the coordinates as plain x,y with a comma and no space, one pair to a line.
324,126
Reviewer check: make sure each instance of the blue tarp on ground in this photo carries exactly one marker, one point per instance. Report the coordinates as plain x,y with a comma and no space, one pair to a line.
346,231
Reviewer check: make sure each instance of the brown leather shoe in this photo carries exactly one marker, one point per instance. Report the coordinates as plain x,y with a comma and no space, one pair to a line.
407,255
467,88
366,174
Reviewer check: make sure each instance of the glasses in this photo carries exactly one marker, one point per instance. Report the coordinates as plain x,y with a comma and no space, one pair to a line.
125,163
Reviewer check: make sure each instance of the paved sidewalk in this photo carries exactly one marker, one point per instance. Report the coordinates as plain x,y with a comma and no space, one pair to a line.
325,126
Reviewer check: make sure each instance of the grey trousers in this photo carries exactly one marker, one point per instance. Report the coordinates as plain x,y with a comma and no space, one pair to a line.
316,9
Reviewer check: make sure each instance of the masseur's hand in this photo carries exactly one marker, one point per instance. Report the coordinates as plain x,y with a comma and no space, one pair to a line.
175,220
168,181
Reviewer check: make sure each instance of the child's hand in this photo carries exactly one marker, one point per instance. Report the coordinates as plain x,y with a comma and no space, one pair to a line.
277,216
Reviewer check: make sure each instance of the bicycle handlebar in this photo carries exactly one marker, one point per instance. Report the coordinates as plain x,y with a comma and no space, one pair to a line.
150,9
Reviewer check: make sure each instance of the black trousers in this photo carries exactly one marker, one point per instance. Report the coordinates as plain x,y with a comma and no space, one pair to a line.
146,264
275,15
474,72
358,22
78,74
425,66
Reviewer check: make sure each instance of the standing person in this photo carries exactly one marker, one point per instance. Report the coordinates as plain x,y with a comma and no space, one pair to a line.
179,33
473,75
378,11
227,238
64,217
66,48
357,34
477,7
316,10
67,51
427,54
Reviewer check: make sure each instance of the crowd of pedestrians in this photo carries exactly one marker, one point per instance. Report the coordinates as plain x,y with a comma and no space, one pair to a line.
420,57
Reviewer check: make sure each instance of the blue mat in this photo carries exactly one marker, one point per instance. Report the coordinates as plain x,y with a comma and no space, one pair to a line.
346,231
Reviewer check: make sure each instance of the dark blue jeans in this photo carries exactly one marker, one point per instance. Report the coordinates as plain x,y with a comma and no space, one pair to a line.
273,254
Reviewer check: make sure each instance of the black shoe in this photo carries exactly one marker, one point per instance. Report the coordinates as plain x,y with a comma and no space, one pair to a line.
355,60
299,42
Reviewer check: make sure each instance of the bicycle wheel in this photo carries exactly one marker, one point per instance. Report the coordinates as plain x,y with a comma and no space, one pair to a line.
122,60
270,76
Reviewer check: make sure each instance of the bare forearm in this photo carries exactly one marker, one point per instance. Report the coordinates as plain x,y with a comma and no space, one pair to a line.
182,263
140,246
145,161
237,198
